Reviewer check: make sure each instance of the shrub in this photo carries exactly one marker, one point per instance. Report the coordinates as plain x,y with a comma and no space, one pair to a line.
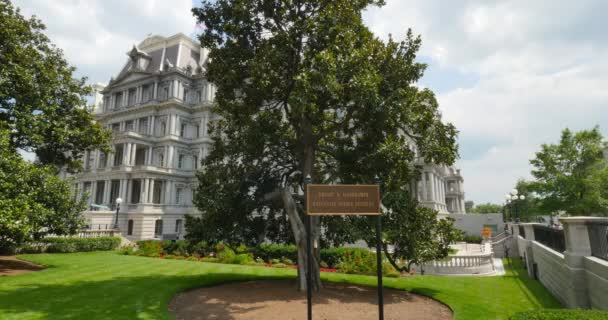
358,262
128,249
210,259
276,251
68,245
472,239
202,248
561,314
275,261
181,247
287,261
242,258
150,248
225,255
332,256
259,260
242,249
323,264
279,265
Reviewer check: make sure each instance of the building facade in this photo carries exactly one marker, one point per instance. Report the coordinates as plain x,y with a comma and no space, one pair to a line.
158,108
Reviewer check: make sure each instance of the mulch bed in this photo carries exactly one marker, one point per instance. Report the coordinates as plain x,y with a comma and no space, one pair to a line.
10,266
274,300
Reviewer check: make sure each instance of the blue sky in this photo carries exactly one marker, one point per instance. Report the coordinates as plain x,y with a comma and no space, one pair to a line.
509,74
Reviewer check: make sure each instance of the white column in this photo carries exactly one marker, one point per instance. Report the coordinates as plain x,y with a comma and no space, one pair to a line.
144,191
133,153
169,157
168,192
151,121
106,192
151,191
175,88
126,154
93,191
171,124
155,93
149,156
123,190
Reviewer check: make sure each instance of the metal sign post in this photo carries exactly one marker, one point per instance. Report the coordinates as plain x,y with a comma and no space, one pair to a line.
343,200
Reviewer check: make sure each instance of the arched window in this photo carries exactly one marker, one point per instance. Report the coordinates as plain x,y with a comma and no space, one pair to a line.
178,226
158,228
130,228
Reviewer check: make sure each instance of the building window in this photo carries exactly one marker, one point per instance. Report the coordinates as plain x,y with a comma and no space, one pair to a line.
198,129
161,159
178,195
114,190
129,125
178,226
180,161
115,127
118,100
118,153
99,192
146,93
157,195
130,228
132,96
186,93
102,159
158,228
143,126
182,132
135,191
195,162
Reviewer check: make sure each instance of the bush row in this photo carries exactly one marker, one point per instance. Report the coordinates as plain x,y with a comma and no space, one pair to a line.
561,314
69,245
330,257
472,239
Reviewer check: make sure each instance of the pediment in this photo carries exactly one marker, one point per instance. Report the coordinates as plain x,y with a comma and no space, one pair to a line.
129,76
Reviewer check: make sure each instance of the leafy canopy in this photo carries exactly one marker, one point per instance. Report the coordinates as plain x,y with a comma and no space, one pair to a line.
572,175
41,103
304,88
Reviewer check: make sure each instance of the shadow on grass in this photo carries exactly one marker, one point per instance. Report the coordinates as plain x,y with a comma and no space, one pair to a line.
533,289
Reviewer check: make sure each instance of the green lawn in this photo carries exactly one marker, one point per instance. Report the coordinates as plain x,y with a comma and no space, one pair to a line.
106,285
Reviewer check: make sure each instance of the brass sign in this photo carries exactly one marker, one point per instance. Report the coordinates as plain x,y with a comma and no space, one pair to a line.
342,199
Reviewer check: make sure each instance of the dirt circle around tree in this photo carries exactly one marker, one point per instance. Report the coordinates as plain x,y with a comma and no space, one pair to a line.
274,300
11,266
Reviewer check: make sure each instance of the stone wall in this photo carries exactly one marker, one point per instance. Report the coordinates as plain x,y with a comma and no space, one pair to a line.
551,270
574,277
597,282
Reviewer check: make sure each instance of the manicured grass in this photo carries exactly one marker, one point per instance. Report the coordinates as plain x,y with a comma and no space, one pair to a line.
106,285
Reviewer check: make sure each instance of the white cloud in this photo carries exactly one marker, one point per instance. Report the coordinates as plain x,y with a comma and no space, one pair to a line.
96,34
541,67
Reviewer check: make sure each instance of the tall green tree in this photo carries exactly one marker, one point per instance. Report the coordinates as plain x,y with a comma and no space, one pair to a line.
41,102
571,175
42,110
305,89
34,201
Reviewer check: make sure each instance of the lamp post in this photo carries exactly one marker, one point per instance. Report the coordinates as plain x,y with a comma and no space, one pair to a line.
514,197
118,202
508,206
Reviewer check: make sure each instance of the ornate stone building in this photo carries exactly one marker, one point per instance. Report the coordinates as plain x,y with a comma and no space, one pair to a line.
158,108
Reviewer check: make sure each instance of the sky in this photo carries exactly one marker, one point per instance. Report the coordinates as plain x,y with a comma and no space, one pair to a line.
510,75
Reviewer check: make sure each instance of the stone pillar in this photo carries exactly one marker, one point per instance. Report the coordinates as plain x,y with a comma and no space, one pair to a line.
529,253
123,190
106,193
155,92
169,157
133,153
577,247
149,154
151,121
93,191
151,191
144,191
168,192
172,124
175,87
126,152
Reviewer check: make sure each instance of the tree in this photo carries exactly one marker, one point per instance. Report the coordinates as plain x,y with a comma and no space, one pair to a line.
41,102
571,175
42,110
487,208
305,89
34,201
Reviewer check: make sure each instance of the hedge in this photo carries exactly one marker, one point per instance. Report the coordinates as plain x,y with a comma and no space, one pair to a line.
69,245
561,314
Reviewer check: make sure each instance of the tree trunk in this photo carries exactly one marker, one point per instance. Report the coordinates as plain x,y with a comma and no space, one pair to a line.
299,232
